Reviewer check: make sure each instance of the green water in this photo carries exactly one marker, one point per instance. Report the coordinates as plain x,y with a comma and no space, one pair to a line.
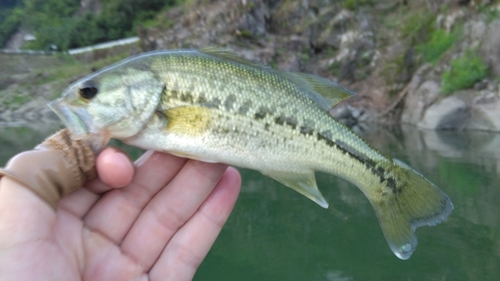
276,234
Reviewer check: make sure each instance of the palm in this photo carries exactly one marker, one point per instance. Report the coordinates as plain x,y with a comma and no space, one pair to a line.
159,226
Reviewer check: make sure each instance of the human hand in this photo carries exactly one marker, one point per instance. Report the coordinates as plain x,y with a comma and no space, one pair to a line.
155,224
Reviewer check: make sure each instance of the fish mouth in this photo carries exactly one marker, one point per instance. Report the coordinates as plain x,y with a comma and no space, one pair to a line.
80,125
77,120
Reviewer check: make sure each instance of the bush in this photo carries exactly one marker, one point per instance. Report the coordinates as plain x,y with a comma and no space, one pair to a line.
416,26
53,21
464,72
9,21
354,4
439,43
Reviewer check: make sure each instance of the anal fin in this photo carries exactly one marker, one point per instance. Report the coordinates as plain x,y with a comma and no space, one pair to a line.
304,183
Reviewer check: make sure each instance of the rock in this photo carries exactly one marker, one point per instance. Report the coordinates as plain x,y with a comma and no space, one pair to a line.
490,48
346,114
418,101
448,21
450,113
354,116
253,23
289,63
485,113
474,31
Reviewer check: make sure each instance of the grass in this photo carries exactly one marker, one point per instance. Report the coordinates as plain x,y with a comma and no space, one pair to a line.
354,4
490,12
335,68
14,101
411,27
57,72
108,60
464,73
440,41
71,67
304,56
414,25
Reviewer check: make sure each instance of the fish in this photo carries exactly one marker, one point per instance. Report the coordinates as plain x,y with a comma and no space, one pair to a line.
213,106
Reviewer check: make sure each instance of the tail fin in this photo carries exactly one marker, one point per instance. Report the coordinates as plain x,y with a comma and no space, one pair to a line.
411,202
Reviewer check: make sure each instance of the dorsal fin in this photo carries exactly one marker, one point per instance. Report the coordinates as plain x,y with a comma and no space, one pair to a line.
230,56
327,88
324,92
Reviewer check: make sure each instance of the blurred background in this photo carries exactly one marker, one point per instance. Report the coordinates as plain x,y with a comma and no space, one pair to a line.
426,75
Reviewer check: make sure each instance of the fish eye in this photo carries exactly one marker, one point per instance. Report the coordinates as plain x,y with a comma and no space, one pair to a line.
88,90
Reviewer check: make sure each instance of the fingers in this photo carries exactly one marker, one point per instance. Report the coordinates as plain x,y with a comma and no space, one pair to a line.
170,209
117,210
115,169
189,246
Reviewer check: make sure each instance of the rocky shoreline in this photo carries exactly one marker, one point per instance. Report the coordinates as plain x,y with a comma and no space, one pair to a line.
357,48
360,50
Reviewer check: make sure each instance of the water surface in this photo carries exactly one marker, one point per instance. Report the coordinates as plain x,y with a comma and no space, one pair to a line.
276,234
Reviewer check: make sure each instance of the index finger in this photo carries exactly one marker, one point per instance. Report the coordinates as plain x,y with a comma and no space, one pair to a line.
115,212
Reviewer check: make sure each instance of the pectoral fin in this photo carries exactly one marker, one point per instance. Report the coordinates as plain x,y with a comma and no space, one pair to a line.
304,184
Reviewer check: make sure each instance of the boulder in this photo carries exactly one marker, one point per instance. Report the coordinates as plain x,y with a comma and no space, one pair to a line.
418,101
450,113
485,113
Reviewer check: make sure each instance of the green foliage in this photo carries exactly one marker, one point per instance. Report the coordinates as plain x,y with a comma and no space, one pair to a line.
34,9
51,21
9,4
491,12
9,21
245,33
335,68
416,25
86,31
118,19
464,72
15,101
54,23
413,27
354,4
439,42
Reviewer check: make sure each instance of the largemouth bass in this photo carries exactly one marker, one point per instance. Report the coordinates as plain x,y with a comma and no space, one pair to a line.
213,106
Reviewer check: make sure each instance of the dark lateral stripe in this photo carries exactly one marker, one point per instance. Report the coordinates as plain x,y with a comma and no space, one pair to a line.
306,131
368,163
329,142
259,115
188,97
262,112
290,121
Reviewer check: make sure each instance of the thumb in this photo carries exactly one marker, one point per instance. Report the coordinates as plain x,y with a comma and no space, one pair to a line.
55,168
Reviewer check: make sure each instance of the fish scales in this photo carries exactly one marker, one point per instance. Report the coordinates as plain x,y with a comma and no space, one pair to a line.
212,88
216,107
